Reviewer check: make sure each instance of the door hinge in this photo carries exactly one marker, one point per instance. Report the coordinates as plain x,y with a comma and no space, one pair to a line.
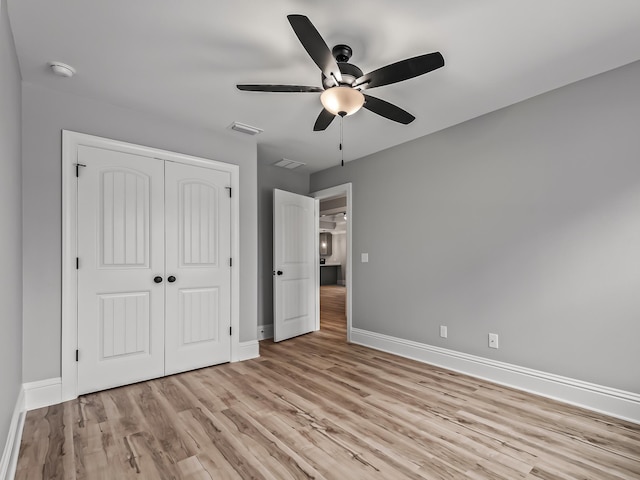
229,188
230,330
77,263
77,354
78,165
231,262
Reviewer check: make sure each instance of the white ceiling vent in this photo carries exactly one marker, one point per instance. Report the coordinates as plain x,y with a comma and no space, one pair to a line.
248,129
290,164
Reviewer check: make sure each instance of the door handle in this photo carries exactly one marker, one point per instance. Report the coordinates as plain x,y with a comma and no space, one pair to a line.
157,279
279,272
171,279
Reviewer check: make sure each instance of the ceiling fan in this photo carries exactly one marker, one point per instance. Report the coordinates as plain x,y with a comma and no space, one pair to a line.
343,82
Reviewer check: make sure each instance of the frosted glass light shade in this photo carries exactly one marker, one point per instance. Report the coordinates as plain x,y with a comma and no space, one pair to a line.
342,99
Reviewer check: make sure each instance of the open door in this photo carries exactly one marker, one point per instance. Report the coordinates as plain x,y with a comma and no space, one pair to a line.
295,259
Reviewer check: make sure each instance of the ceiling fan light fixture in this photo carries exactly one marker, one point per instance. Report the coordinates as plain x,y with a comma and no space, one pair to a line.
342,99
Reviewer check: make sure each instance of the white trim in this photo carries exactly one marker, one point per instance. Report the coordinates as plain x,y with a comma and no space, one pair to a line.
235,254
610,401
70,143
248,350
345,189
316,249
69,373
11,450
265,331
42,393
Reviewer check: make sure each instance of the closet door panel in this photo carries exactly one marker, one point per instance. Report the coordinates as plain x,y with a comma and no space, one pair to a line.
198,241
120,252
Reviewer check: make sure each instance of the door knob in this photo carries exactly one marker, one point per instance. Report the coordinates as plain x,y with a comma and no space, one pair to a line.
158,279
279,272
171,279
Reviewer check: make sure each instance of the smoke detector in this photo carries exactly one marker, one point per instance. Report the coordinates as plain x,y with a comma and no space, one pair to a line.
62,69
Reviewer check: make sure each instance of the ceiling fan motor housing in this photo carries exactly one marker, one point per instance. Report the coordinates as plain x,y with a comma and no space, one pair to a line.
350,72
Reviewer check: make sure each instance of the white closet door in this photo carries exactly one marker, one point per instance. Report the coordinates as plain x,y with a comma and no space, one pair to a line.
198,241
121,251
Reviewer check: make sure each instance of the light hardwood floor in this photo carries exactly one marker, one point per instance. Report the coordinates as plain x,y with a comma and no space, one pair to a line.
315,407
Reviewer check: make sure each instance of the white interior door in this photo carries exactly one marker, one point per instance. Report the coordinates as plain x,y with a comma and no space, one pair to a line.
121,251
198,288
295,258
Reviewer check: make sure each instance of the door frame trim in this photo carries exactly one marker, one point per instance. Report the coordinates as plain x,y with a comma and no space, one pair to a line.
70,143
346,189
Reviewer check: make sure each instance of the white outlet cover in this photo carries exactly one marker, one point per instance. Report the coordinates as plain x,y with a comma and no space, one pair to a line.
493,340
364,257
443,331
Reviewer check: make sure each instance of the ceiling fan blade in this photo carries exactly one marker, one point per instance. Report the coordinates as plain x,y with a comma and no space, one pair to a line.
279,88
402,70
315,46
387,110
324,120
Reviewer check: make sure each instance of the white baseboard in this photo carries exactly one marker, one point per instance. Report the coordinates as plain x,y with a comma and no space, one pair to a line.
265,331
248,350
9,459
43,393
610,401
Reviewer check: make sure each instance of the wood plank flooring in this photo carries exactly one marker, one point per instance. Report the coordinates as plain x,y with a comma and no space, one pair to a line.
315,407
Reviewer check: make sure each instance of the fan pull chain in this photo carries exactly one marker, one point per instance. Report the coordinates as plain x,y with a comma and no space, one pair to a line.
341,137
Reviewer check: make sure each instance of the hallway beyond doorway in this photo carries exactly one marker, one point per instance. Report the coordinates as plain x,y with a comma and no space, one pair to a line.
332,310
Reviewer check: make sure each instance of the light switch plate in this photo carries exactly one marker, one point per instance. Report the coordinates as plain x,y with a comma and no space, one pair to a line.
364,257
443,331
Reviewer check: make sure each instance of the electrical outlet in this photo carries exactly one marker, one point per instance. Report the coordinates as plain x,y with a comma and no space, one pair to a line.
493,340
443,331
364,257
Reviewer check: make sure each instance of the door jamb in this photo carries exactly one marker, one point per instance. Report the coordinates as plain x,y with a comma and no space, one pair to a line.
70,143
338,191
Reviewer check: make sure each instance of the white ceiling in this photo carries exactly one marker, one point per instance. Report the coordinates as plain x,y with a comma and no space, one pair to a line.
182,59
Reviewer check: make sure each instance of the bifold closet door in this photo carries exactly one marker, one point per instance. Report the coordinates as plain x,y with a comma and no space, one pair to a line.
121,255
154,276
198,255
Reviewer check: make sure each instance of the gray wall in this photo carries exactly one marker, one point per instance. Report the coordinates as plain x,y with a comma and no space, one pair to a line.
11,230
524,222
270,177
45,114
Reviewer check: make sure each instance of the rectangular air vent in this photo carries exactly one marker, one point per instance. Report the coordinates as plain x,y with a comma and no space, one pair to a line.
290,164
248,129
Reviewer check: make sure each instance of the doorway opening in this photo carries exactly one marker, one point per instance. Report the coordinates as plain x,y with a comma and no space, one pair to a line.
334,286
